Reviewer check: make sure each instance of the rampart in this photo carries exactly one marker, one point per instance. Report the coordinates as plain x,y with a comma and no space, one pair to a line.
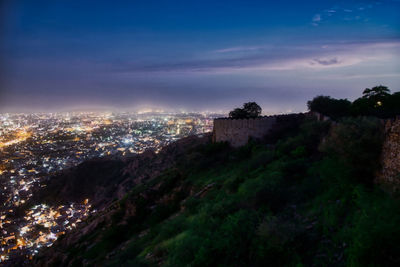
238,131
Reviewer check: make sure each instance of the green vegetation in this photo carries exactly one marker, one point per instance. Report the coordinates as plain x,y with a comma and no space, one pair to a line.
334,108
305,200
376,101
303,196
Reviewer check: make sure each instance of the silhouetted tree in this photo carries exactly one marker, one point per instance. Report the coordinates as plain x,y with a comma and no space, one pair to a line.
238,113
378,102
392,104
249,110
252,109
334,108
377,92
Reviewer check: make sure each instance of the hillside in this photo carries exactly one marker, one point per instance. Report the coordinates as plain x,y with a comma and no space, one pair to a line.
104,180
306,198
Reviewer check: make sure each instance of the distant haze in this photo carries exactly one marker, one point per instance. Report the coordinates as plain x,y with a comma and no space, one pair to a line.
194,55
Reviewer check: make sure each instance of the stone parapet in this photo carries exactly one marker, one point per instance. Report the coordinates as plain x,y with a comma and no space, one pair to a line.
238,131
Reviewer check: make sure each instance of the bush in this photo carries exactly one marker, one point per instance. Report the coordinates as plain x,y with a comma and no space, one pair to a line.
358,143
375,234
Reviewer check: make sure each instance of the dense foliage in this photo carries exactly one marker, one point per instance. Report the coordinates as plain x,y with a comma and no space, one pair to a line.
298,202
249,110
334,108
376,101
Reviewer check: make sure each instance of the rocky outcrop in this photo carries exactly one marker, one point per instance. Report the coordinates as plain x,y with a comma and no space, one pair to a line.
389,175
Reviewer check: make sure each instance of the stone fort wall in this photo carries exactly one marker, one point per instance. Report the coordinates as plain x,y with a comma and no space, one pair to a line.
238,131
389,176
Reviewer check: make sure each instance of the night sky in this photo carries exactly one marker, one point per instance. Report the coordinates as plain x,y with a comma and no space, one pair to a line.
193,55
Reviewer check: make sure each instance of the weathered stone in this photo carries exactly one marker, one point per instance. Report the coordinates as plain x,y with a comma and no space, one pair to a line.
389,176
237,132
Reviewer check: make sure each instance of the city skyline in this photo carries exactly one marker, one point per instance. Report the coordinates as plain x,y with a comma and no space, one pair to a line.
60,56
34,148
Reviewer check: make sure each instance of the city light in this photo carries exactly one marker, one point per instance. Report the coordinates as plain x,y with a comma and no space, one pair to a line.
35,147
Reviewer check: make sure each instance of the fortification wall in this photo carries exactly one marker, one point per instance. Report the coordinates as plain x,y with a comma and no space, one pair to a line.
389,175
238,131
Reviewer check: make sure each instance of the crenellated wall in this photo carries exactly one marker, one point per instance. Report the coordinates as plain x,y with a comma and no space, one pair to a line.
238,131
389,175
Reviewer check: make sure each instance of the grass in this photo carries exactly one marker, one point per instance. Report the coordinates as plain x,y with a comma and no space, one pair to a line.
296,203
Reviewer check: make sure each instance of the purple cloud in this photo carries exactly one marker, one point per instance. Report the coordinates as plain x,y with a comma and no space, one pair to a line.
326,62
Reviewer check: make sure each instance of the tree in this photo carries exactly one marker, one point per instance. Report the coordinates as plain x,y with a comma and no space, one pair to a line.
376,101
376,93
238,113
334,108
252,109
249,110
392,104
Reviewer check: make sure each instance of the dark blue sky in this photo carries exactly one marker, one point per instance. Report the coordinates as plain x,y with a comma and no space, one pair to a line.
60,55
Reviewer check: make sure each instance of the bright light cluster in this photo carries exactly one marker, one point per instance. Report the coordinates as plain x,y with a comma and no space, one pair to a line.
35,147
41,226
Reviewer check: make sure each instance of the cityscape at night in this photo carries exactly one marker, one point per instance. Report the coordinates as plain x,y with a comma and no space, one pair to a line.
36,146
199,133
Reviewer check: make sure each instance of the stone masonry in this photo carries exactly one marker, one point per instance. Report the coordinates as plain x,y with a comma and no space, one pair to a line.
389,175
238,131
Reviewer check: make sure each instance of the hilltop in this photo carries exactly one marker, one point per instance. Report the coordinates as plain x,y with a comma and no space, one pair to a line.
304,196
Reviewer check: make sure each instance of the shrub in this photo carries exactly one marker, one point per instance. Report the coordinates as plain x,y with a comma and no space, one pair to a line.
358,143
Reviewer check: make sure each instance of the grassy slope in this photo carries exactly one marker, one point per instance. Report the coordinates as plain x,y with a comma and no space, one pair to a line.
294,203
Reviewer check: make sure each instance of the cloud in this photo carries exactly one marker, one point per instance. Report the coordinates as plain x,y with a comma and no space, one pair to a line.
316,18
238,49
283,57
348,11
325,62
359,76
